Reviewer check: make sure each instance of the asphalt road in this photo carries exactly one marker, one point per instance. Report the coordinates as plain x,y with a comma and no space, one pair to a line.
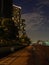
31,55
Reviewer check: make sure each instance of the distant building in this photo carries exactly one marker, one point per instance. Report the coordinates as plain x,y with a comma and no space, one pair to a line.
16,14
17,17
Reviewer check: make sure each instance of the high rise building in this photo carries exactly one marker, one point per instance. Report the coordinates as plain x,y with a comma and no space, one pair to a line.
0,8
6,8
17,16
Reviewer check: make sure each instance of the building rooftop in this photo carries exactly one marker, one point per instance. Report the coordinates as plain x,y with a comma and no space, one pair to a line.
17,6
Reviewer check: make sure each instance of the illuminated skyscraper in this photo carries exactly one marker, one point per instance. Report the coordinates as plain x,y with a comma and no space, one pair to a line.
6,8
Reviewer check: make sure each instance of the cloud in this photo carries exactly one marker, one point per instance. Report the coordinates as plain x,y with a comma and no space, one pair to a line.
45,2
35,20
37,25
42,5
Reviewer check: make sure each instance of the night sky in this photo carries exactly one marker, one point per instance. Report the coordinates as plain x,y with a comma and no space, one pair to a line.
36,14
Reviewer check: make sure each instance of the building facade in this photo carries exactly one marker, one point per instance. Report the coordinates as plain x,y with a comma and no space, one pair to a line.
16,14
6,8
0,8
17,17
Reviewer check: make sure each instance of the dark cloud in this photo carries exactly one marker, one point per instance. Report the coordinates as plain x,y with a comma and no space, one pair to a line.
33,5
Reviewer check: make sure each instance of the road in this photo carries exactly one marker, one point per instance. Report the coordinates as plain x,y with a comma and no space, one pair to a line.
31,55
